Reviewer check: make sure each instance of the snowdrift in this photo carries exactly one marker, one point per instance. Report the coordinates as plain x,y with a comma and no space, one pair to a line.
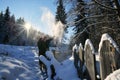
18,63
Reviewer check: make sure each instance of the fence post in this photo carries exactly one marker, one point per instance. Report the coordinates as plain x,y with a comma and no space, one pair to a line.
81,58
76,57
89,57
109,59
109,56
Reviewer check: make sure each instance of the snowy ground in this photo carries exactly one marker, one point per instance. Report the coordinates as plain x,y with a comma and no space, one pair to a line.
64,70
114,76
21,63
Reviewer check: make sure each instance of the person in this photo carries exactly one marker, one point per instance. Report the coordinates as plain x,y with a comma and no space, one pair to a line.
43,45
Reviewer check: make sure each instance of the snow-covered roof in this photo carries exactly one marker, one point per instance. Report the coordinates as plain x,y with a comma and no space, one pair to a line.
88,42
107,37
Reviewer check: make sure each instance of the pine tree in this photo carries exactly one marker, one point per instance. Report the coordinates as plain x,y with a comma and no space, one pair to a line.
1,19
7,14
60,14
1,27
6,26
80,25
1,16
20,21
12,19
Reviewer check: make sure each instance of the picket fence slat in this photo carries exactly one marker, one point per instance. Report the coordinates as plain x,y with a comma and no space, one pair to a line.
109,59
89,63
81,58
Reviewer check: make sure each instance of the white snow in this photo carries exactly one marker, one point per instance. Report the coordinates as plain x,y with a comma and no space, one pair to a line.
75,47
67,71
61,52
64,70
107,37
114,76
88,42
21,63
18,63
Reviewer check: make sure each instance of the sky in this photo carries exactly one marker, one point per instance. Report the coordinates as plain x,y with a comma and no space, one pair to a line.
36,12
40,14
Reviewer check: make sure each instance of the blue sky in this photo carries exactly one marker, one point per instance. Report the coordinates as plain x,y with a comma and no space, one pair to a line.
31,10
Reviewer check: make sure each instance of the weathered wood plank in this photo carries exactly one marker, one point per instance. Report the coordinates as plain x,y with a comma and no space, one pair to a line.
81,58
90,62
109,59
76,59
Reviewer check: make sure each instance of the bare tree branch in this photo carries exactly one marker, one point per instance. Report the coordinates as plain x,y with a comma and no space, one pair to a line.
95,16
91,25
118,7
104,5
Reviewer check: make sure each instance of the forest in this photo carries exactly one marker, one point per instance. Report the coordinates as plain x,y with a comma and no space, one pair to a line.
92,18
14,31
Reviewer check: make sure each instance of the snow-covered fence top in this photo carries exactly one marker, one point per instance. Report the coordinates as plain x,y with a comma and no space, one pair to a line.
88,42
111,41
80,46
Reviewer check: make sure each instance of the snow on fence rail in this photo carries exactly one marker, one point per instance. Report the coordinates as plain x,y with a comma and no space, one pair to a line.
109,59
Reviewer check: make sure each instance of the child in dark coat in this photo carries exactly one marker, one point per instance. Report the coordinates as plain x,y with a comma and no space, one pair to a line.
43,46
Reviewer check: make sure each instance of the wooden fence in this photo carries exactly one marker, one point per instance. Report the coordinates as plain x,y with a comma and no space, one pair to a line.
109,59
